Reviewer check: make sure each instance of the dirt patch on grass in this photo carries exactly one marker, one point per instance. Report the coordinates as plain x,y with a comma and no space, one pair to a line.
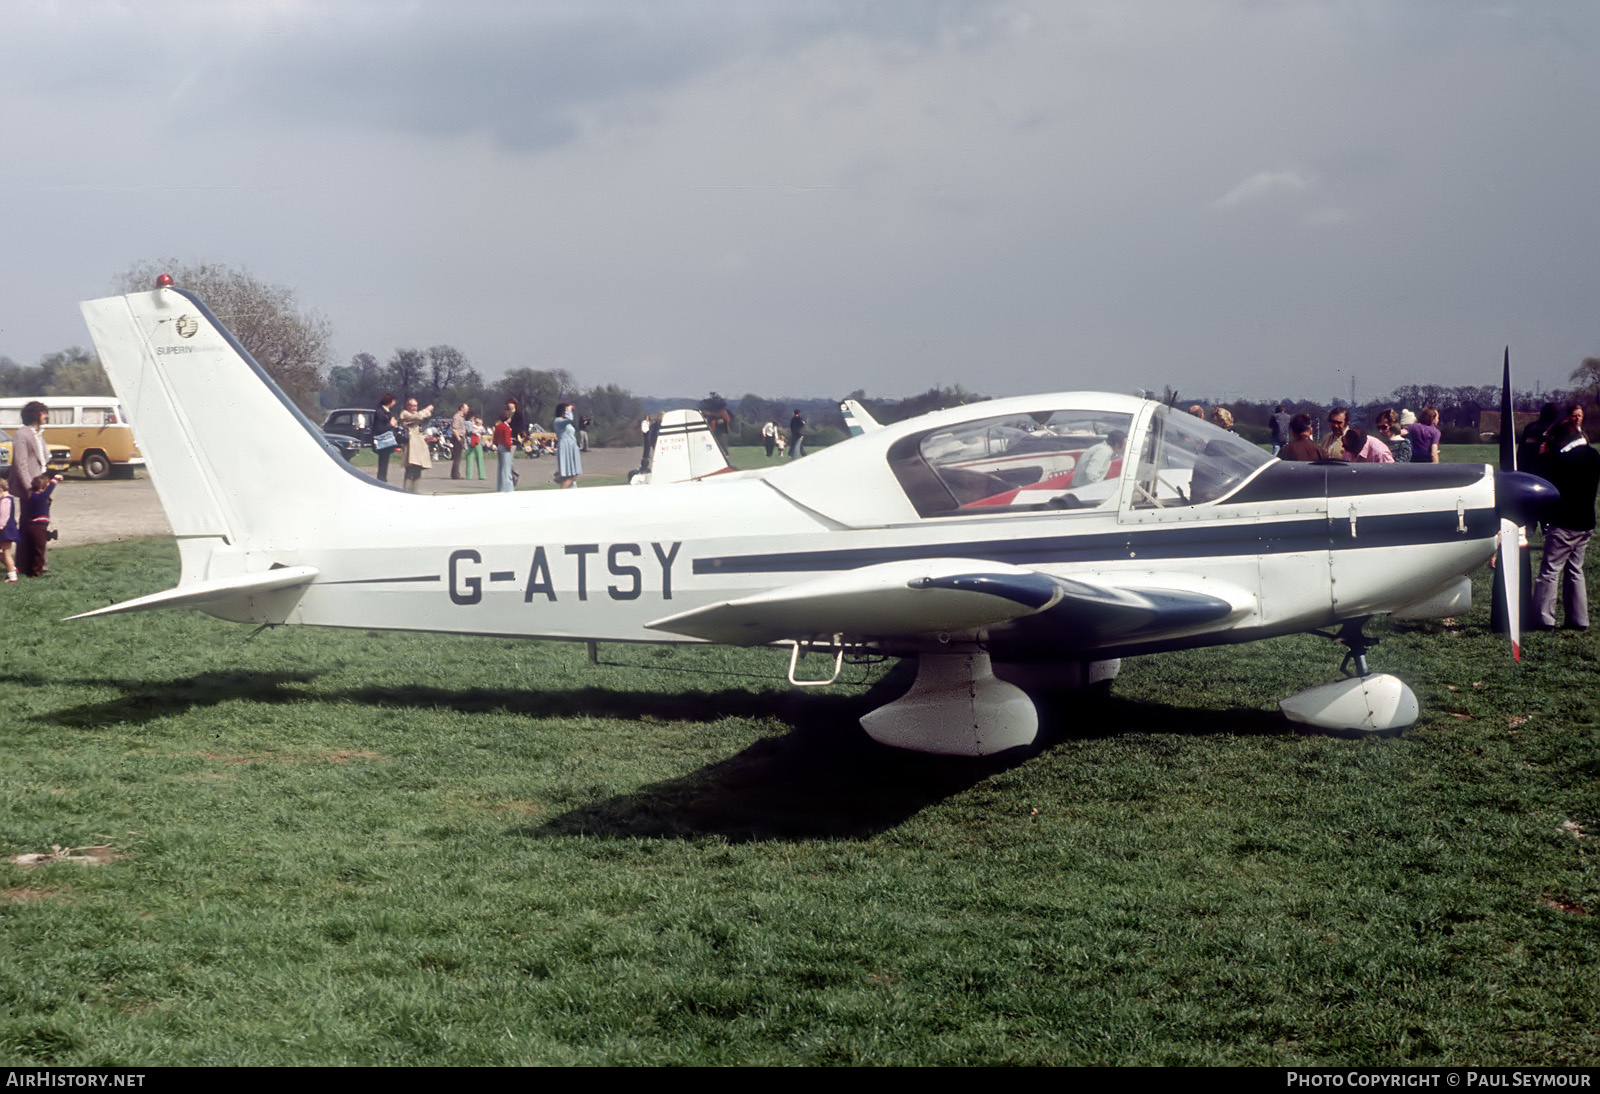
521,808
1563,906
28,896
83,856
344,756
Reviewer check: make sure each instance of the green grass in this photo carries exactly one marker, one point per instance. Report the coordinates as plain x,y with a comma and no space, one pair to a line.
363,847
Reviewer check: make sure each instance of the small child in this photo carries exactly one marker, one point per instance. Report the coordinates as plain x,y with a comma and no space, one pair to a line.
9,536
39,519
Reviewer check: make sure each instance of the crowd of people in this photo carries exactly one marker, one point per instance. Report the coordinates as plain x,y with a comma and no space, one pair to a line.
468,437
1554,448
1396,437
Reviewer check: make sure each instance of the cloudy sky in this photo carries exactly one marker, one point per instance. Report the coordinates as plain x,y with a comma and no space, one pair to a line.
808,197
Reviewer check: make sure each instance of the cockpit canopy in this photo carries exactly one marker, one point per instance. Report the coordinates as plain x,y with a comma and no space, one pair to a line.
1077,451
1069,459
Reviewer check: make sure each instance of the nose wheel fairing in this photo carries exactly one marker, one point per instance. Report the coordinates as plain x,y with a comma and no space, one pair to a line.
1376,703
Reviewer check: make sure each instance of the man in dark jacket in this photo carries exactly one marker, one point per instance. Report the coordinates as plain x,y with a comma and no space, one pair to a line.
1302,447
797,435
1573,467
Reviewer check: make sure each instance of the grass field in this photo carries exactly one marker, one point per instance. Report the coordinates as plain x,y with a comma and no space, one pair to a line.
363,847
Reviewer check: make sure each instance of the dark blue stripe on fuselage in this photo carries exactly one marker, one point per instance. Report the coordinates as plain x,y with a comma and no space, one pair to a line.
1178,540
383,580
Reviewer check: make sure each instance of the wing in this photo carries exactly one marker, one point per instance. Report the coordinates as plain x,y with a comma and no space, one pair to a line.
956,595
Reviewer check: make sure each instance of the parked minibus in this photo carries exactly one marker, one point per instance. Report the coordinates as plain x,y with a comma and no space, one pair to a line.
94,427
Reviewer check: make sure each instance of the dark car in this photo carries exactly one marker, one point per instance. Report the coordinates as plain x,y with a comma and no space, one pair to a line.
349,430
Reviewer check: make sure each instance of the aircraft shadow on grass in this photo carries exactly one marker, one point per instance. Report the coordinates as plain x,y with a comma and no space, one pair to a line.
144,701
825,778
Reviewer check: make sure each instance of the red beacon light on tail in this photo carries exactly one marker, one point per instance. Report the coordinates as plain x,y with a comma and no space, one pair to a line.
164,281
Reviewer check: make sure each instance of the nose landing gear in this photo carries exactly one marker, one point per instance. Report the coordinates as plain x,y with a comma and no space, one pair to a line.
1366,703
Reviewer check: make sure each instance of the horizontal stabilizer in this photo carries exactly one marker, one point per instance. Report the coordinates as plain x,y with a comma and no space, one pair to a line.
205,592
894,598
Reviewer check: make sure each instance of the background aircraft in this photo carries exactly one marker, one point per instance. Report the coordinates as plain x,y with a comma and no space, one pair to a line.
682,449
922,539
856,418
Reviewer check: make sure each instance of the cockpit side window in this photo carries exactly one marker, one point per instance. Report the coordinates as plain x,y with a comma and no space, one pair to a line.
1188,461
1069,459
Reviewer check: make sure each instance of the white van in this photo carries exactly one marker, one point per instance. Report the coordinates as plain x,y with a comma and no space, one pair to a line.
94,427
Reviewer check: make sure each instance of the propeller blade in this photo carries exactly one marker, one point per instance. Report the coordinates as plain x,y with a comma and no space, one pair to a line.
1508,421
1522,498
1509,587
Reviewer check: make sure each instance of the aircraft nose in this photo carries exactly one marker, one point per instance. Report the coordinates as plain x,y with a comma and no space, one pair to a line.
1522,497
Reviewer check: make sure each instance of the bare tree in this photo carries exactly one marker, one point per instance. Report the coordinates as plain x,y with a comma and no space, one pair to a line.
292,345
407,374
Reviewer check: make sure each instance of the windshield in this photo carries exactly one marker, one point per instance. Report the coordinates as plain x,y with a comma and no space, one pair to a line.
1188,461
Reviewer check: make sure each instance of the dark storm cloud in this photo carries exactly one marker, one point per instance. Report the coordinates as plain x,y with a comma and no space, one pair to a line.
519,72
1227,194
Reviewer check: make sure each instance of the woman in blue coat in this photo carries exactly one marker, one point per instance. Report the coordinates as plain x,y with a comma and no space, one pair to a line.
568,464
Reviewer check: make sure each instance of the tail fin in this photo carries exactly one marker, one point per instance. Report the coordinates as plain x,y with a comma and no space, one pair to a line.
232,458
685,449
856,418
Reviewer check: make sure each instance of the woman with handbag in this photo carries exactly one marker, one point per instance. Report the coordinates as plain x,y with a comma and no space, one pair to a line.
383,435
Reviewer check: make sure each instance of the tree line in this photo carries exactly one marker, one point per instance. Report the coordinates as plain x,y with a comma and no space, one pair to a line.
1459,407
294,347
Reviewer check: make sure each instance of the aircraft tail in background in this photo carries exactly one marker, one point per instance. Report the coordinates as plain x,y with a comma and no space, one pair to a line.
684,450
856,418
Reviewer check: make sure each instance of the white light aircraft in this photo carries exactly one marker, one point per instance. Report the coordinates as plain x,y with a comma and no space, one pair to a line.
962,538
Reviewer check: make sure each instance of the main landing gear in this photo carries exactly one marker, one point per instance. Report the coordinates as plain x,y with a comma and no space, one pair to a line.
1366,703
958,706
